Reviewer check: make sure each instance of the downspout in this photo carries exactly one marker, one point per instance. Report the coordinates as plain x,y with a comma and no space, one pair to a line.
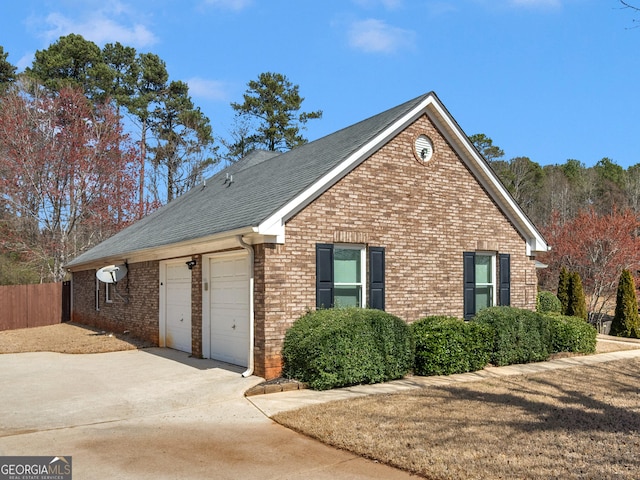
249,371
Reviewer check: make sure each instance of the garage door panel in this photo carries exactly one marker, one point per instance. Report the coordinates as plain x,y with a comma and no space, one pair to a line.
178,307
229,309
222,298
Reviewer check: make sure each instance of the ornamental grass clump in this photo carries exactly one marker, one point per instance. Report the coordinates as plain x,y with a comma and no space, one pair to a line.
338,347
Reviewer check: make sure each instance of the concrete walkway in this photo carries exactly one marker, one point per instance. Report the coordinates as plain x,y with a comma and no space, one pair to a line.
156,414
279,402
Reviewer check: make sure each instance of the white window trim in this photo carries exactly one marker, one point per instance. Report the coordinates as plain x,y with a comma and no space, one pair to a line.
363,270
107,293
494,280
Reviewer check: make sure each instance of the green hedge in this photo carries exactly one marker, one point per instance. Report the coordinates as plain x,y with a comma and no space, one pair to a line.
548,302
446,345
520,336
572,334
348,346
332,348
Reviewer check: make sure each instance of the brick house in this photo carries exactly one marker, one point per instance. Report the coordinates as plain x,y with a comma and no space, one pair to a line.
397,212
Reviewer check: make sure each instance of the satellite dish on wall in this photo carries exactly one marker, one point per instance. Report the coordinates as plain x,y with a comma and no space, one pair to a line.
111,273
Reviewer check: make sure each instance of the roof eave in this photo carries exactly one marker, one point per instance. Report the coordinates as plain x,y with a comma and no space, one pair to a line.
219,241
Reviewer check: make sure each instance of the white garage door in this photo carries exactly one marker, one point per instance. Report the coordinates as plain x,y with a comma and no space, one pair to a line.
178,306
229,308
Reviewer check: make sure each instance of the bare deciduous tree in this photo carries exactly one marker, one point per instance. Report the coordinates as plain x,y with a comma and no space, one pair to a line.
67,174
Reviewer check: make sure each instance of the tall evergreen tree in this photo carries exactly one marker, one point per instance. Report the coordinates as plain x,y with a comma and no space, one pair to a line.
626,321
184,137
71,61
273,103
485,146
119,81
7,71
151,81
577,306
563,289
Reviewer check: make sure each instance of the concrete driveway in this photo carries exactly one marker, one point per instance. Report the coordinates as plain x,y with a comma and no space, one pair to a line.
155,414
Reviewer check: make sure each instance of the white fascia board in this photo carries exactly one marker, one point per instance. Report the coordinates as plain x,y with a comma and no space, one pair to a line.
186,248
481,170
275,224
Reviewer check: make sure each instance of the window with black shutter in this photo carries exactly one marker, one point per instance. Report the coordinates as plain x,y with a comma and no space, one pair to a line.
340,275
324,275
376,277
505,279
481,287
469,278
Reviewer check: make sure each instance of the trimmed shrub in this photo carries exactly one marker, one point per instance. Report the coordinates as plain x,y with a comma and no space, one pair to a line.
547,302
332,348
571,334
626,321
446,345
394,342
520,336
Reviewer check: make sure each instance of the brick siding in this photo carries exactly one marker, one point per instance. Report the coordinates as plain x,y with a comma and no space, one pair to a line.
139,315
425,216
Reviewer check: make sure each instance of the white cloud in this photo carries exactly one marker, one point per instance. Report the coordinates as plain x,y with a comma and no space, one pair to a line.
101,25
235,5
100,29
208,89
388,4
25,61
375,36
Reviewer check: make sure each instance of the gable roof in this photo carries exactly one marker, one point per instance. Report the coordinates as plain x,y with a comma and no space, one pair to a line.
259,193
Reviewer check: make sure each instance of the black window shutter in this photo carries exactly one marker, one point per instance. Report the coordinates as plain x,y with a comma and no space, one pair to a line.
376,277
505,279
469,279
324,275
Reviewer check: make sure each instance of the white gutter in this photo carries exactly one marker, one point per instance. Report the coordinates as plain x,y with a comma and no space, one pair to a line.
249,371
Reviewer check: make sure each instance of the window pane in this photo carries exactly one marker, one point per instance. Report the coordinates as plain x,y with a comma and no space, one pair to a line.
484,297
347,297
346,265
483,269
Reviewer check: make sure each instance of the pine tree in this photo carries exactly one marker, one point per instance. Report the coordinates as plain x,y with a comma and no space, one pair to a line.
563,290
577,305
626,321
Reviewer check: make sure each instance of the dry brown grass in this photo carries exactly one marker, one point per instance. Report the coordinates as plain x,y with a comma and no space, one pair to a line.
66,338
578,423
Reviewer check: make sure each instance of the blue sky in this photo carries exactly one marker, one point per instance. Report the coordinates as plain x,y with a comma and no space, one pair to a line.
547,79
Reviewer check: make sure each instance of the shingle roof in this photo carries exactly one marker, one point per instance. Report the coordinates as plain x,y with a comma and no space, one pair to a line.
263,182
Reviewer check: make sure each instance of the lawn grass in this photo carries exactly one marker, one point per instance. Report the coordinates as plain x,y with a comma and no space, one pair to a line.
578,423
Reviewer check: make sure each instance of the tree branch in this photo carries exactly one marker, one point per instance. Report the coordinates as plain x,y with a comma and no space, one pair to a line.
628,5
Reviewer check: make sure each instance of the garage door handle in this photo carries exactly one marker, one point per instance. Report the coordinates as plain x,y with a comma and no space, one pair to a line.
234,326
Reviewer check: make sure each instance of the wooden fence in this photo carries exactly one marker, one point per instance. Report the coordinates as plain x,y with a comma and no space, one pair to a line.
25,306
